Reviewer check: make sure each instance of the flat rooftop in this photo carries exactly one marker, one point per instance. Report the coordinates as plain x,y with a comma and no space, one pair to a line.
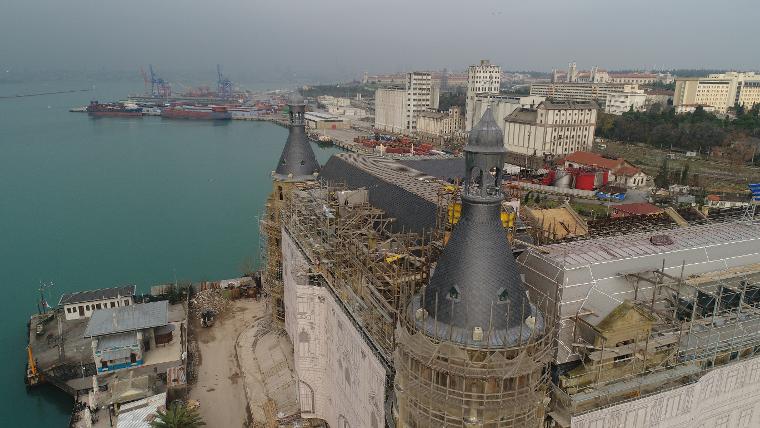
127,318
610,249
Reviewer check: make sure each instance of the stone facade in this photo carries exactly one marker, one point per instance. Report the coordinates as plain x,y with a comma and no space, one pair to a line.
341,380
727,397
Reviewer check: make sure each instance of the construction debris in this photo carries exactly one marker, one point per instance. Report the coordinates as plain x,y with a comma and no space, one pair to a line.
211,299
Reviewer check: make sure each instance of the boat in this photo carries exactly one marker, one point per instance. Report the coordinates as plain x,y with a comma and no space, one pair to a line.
113,109
196,113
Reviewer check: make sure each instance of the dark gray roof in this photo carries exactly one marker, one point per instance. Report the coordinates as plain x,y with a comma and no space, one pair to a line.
445,169
477,264
100,294
403,193
127,318
486,136
297,161
522,115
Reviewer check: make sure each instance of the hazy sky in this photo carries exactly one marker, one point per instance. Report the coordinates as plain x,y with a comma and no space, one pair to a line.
342,38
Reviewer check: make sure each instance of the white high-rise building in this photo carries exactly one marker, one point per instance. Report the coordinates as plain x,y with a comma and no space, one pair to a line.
397,110
481,79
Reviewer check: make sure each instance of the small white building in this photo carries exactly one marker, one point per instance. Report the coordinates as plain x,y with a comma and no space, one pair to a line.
622,102
83,303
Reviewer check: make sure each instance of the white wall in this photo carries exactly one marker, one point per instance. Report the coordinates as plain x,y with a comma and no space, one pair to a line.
330,356
390,110
72,311
727,397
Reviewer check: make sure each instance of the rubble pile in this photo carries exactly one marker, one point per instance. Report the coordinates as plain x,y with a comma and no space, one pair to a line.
213,299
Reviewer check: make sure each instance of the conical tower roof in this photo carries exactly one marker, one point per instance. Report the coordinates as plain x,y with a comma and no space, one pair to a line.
297,161
476,282
486,136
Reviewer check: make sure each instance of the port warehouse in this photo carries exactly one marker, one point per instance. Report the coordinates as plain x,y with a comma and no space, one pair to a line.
636,314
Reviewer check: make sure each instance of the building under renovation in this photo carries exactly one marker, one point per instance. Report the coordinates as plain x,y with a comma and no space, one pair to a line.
406,306
297,167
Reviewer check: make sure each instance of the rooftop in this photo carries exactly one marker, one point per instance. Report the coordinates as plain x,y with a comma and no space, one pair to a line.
575,254
127,318
100,294
140,413
408,195
639,208
589,158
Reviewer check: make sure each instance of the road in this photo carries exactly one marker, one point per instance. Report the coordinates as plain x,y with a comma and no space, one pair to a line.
219,388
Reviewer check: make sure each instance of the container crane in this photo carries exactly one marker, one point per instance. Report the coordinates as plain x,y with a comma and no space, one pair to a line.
159,88
223,84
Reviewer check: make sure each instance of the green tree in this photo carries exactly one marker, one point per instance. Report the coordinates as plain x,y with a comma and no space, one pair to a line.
178,415
684,180
662,180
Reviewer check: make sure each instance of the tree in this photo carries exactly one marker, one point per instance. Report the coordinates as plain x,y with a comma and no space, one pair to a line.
178,415
684,179
662,180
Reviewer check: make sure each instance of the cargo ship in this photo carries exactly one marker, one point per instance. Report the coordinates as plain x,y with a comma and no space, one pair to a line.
197,113
113,109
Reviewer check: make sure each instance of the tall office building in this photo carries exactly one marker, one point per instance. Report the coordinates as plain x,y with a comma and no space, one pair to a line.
481,79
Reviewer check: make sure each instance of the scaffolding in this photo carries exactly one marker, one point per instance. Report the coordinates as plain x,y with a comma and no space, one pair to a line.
351,250
674,330
503,382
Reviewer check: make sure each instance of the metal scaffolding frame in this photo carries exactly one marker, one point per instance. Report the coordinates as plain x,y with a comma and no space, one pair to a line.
697,322
366,265
444,383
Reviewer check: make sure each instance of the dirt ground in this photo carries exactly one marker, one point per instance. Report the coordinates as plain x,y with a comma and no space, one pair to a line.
219,387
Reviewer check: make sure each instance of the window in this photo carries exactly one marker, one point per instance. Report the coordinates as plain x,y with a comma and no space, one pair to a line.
97,306
126,302
453,294
503,296
87,307
113,304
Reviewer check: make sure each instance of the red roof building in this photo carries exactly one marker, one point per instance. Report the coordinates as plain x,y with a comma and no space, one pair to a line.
621,172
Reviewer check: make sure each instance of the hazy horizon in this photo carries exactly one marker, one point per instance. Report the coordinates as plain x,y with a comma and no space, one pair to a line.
340,39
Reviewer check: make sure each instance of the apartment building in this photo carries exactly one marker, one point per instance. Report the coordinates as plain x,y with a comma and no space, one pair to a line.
440,123
397,109
577,91
552,128
717,91
484,78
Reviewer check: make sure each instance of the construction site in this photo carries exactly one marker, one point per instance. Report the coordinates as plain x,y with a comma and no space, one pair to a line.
413,302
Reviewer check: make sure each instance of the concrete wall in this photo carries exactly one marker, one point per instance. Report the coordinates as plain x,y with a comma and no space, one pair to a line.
390,110
341,380
727,397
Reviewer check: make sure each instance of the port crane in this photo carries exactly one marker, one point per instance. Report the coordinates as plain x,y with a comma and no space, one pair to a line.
223,84
159,87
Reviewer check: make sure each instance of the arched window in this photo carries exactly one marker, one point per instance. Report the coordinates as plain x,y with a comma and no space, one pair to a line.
476,179
306,397
279,192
